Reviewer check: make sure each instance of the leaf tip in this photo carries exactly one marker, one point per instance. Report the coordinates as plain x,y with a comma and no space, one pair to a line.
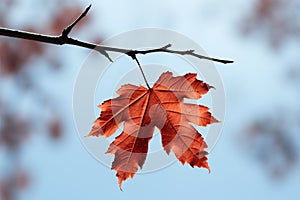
208,169
214,120
210,87
120,186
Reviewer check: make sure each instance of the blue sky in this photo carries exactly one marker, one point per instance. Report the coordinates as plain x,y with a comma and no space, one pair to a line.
67,171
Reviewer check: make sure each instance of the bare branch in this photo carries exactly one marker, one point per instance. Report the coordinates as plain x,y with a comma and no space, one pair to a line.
65,39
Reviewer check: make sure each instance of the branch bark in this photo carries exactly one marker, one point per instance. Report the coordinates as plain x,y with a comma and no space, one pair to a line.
65,39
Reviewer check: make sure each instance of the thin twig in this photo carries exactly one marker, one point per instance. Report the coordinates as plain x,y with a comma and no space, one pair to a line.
65,39
67,30
185,52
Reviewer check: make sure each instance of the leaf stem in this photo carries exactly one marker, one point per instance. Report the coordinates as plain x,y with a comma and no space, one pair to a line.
141,69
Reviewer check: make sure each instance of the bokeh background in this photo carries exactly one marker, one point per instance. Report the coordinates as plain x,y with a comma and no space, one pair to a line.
257,156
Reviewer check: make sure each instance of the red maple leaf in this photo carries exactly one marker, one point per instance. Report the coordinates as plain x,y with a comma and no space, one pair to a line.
162,106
